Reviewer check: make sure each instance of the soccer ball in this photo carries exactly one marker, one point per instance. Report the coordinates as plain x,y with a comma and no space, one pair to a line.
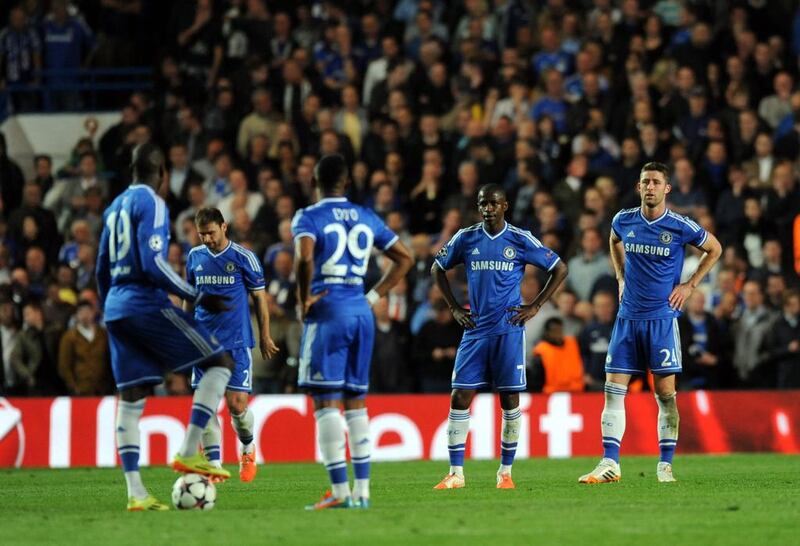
193,492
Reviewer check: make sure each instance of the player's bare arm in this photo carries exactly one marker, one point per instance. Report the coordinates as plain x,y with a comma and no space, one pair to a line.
617,251
401,260
713,251
461,315
526,312
304,270
265,342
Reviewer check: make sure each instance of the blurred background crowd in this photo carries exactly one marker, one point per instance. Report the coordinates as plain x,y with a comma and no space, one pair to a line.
561,102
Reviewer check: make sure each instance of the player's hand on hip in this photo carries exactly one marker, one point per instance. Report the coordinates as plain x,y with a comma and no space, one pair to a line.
268,348
463,317
523,313
213,303
312,299
679,295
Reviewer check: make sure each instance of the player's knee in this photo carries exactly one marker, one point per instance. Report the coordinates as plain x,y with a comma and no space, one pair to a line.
509,400
237,402
461,399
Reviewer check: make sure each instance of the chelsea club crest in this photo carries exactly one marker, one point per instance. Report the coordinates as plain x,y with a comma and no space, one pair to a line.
229,267
665,237
509,253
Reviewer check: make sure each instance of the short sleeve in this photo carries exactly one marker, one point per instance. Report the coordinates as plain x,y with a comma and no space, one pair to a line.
537,254
384,237
252,271
190,278
615,226
451,254
303,226
693,233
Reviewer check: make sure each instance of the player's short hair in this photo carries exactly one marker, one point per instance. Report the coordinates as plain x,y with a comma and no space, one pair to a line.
208,215
487,189
147,162
656,166
329,171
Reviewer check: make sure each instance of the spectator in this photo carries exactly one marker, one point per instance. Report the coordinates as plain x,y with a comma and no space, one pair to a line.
759,169
240,197
12,384
594,339
389,371
68,44
748,333
33,364
200,42
686,198
702,344
591,263
782,344
261,121
21,55
83,357
68,198
774,108
11,180
557,365
218,185
436,346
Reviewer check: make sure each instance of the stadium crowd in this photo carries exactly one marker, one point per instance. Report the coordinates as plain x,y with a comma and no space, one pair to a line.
561,102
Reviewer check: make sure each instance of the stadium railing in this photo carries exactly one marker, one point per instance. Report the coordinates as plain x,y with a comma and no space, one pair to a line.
66,89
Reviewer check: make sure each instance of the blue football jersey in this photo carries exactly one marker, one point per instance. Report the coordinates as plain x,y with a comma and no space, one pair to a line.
653,260
495,266
234,272
344,234
133,275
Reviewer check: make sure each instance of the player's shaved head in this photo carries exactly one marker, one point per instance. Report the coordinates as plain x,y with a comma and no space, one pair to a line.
147,164
489,189
331,172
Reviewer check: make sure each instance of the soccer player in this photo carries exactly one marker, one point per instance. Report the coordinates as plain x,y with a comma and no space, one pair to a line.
647,246
492,349
220,266
147,334
333,244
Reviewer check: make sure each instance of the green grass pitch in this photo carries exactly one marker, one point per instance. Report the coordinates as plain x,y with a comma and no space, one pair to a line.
738,499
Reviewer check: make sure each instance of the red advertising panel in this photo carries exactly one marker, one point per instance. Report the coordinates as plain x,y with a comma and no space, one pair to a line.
72,432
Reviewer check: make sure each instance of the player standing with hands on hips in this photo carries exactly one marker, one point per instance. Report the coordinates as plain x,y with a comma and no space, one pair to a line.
647,249
492,350
333,245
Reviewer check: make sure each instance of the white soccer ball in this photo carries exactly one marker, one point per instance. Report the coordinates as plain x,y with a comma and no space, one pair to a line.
193,492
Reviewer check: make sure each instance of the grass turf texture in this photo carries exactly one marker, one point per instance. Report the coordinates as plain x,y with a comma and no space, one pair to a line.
738,499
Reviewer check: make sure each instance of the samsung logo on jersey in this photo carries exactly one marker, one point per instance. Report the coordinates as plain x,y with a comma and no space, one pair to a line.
216,279
492,265
647,249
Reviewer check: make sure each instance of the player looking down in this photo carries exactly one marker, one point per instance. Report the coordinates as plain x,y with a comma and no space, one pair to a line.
147,334
492,349
647,248
220,266
333,244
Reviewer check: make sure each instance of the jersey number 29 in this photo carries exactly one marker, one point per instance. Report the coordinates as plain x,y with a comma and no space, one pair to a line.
350,241
119,235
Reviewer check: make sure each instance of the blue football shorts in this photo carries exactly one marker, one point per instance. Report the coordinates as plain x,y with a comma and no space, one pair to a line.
242,376
495,360
146,345
335,354
638,345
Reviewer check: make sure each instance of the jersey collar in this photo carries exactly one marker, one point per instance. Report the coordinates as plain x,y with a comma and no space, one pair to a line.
651,222
221,252
499,233
332,200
